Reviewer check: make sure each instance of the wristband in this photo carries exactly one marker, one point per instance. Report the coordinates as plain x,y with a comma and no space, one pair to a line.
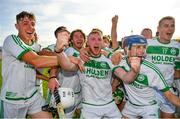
58,51
52,77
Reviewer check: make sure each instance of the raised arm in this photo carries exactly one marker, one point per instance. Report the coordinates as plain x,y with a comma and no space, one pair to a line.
115,44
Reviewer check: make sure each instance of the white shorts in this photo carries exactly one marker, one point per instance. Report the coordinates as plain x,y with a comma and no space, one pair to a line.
98,112
165,105
10,110
134,111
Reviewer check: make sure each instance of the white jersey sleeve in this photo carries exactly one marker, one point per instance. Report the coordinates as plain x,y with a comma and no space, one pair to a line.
13,42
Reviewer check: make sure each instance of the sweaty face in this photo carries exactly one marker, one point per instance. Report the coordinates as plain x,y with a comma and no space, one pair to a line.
26,28
137,51
166,30
95,43
78,40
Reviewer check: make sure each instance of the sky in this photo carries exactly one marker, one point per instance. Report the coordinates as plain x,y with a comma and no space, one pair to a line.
134,15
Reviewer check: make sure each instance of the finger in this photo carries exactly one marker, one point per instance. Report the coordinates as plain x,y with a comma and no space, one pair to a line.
81,68
85,58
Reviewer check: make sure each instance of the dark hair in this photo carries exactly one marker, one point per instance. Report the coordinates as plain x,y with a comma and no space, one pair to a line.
157,33
77,30
25,14
60,29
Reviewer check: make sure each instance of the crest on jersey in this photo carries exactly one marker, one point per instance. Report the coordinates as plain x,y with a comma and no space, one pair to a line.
173,51
103,64
141,77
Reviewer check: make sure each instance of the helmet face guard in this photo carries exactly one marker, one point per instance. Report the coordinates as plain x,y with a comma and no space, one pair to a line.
66,96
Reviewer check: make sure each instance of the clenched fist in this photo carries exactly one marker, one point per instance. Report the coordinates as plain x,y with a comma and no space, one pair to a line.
135,63
115,19
62,41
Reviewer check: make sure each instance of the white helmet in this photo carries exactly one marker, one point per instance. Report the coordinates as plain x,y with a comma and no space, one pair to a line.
66,97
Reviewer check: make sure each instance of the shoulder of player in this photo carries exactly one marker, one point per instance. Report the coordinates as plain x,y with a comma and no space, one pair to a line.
49,47
175,43
101,58
13,39
152,41
150,65
70,50
12,36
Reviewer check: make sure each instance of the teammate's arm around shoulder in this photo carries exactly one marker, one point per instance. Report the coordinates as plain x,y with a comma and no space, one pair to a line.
39,61
65,62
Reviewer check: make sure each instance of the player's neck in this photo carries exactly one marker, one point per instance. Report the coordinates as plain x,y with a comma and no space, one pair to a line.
26,41
164,41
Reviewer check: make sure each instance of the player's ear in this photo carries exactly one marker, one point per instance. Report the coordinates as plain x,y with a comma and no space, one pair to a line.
17,26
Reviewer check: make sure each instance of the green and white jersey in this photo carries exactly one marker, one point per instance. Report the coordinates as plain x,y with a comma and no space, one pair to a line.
50,47
96,81
110,51
141,91
70,79
164,56
18,76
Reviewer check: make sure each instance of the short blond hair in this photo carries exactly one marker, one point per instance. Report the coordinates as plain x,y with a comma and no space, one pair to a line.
96,30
